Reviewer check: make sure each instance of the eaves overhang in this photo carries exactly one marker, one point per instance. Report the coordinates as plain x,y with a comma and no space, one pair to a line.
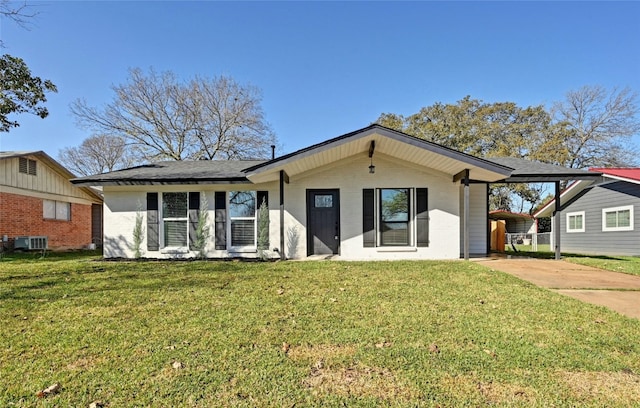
158,182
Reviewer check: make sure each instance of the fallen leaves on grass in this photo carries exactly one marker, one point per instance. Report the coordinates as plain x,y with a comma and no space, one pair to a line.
52,389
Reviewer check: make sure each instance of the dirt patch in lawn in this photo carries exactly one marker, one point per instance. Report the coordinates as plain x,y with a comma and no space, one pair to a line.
332,371
615,388
492,392
84,363
358,381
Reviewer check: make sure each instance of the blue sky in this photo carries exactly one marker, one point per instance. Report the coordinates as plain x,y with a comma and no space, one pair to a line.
325,68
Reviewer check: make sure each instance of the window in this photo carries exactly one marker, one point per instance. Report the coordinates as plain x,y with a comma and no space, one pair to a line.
617,218
242,217
175,220
323,201
394,217
56,210
27,166
575,221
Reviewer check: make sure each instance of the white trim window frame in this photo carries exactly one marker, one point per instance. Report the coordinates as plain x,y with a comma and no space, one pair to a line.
576,222
394,219
617,218
242,227
174,213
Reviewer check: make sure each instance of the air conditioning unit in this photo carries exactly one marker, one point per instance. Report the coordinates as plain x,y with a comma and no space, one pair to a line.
30,243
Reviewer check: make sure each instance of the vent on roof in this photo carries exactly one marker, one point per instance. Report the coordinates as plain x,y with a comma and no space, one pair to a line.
30,243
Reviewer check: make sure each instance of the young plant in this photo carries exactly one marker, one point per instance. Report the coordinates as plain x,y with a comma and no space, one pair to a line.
263,230
202,230
138,233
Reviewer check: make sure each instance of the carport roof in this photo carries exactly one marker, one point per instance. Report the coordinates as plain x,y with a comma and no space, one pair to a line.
526,171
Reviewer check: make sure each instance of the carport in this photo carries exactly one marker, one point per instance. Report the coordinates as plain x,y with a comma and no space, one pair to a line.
525,171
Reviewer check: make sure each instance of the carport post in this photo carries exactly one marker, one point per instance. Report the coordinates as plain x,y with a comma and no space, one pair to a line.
556,222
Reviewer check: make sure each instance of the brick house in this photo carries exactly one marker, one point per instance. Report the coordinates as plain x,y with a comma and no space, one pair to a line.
37,200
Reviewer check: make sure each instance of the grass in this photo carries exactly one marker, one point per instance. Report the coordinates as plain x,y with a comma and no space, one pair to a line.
303,334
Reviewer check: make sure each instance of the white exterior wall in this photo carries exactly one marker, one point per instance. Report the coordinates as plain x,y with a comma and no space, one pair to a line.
350,177
478,219
121,205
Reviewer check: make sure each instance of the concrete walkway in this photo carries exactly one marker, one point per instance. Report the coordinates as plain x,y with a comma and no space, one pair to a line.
617,291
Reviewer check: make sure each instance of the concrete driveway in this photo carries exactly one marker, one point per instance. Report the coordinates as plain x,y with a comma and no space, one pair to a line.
617,291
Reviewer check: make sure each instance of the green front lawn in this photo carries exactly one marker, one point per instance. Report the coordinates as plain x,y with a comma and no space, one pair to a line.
300,334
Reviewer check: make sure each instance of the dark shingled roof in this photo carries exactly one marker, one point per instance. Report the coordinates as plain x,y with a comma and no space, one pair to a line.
175,172
532,171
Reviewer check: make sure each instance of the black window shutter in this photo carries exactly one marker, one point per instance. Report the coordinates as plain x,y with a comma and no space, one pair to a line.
221,219
263,197
368,218
153,233
194,214
422,217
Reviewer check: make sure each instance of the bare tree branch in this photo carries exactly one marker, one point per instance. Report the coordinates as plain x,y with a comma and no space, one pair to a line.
98,154
165,119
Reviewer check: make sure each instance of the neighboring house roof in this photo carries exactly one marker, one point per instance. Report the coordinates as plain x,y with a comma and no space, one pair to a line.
628,174
508,215
52,164
175,172
385,141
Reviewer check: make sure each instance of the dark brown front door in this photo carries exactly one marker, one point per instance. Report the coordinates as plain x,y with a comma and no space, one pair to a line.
323,222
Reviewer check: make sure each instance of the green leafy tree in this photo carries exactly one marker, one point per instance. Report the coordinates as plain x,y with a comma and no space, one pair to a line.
489,130
20,91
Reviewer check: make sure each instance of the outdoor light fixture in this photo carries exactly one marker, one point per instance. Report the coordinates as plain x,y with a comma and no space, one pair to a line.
372,147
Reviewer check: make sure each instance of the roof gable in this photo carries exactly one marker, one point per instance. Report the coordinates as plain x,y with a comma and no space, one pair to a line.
386,141
54,166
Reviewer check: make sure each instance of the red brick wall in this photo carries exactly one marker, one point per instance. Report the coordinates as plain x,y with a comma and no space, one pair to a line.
22,215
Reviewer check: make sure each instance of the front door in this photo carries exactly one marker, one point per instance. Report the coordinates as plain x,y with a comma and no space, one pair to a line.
323,222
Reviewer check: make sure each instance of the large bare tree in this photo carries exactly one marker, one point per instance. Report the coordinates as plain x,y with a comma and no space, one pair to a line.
599,126
164,118
97,154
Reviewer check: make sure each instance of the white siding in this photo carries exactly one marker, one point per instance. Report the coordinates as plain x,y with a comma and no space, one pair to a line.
350,177
478,221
